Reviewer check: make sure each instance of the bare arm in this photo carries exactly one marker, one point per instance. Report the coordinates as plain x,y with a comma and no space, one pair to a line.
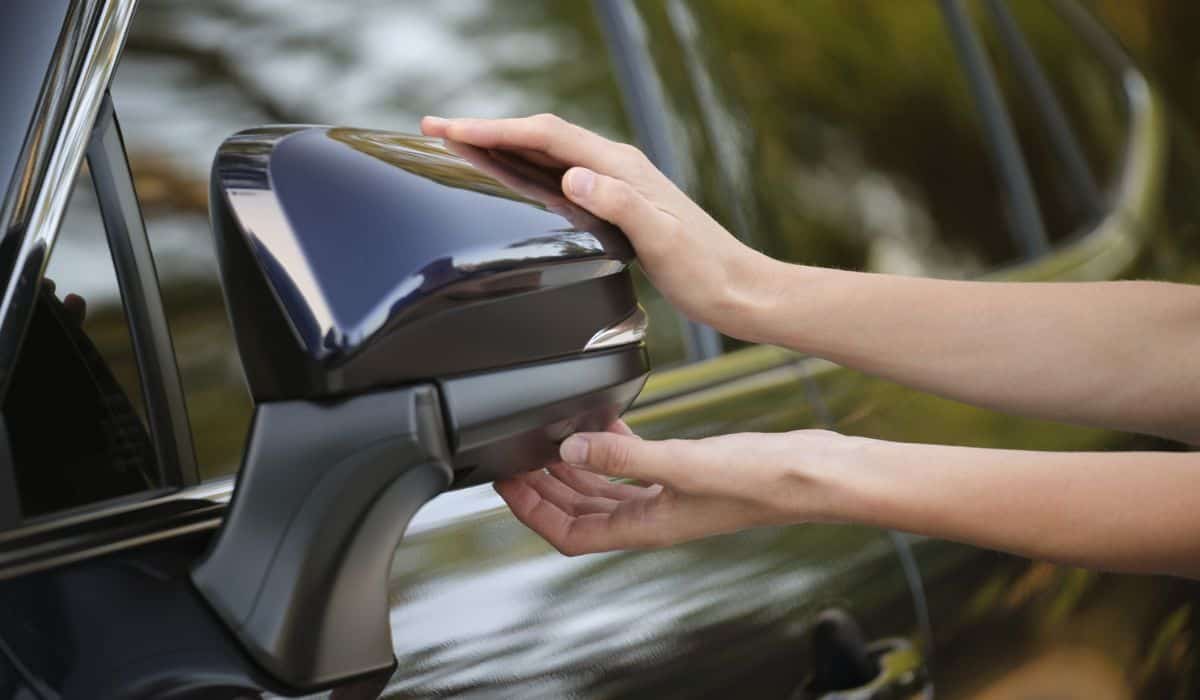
1122,511
1123,355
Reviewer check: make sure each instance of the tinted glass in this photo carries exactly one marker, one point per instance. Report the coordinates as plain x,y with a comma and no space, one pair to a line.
74,410
1161,36
1091,99
194,73
849,137
12,683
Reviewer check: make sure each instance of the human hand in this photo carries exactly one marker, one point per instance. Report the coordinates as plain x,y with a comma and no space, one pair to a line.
698,265
694,488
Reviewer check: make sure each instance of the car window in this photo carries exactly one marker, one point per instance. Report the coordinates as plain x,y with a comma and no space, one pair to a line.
13,683
74,410
1087,93
854,140
195,73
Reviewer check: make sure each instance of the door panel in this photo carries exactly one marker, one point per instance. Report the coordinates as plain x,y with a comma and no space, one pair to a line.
1011,627
481,607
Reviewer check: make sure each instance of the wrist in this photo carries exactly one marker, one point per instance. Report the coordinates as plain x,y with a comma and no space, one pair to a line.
771,298
823,478
880,483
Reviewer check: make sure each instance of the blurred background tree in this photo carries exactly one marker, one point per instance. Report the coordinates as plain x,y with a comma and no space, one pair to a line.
835,132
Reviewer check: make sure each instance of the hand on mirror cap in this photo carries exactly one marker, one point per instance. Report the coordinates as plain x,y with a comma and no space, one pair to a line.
677,243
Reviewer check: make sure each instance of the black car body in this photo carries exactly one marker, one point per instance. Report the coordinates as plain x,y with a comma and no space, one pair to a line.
940,138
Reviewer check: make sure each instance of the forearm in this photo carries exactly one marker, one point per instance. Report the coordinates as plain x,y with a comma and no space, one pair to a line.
1131,511
1122,355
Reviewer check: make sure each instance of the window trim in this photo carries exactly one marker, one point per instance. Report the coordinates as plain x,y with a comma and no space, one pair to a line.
129,245
79,74
81,65
74,118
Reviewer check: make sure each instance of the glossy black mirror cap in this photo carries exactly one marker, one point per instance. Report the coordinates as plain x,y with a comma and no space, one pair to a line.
355,259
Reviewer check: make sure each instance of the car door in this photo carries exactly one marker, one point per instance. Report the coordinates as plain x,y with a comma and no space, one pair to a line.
878,137
480,605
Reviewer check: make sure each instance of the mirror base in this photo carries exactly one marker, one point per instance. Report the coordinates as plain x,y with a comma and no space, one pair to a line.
299,570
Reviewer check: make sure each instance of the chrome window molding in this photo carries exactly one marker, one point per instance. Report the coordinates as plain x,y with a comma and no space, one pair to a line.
129,522
137,278
80,70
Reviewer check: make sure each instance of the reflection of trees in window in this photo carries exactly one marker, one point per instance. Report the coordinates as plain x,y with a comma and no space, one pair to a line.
858,109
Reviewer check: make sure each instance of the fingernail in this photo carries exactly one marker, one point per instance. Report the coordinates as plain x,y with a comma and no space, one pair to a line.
435,121
574,450
581,181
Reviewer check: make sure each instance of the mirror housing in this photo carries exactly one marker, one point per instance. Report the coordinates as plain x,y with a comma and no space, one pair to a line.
391,259
410,318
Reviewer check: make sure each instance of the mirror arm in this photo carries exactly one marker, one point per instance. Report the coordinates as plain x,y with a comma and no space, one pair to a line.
299,570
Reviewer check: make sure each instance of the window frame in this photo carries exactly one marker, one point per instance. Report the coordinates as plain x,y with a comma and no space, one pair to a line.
141,304
129,245
74,118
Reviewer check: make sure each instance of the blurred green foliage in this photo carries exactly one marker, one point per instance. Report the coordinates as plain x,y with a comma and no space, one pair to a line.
835,132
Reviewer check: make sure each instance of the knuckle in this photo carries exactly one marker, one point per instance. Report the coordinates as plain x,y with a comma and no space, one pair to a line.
620,195
633,156
535,138
547,121
574,504
615,457
633,153
668,236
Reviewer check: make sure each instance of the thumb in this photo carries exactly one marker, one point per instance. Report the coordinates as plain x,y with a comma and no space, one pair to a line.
616,201
626,456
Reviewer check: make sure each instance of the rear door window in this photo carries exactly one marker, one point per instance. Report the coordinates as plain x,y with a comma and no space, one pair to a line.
74,411
1085,90
850,133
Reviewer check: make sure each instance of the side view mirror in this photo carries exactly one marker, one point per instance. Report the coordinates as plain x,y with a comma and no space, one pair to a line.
410,319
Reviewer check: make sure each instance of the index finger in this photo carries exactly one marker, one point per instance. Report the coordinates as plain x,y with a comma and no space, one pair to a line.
544,133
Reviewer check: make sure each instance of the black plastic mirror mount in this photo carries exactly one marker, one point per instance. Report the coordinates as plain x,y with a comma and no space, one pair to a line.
410,318
299,569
